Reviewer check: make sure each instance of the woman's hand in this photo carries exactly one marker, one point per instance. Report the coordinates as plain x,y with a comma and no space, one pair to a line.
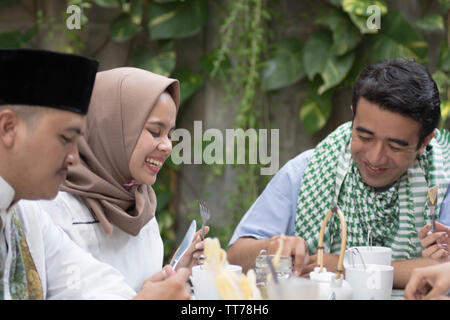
194,251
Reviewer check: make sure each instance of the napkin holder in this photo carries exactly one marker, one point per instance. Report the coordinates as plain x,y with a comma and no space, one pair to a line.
332,286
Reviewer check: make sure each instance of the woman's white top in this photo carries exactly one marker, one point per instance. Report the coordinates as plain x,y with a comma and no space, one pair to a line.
65,270
136,257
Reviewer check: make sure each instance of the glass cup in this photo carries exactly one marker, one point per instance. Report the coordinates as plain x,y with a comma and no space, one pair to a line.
283,269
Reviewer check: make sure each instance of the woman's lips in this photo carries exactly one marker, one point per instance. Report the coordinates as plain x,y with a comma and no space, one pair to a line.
152,168
154,164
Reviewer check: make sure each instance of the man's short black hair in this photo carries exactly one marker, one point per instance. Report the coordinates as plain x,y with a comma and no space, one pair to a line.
402,86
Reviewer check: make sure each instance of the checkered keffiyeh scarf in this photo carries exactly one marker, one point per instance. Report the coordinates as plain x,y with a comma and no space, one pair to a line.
394,216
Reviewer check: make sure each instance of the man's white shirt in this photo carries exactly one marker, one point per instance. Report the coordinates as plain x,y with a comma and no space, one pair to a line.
66,271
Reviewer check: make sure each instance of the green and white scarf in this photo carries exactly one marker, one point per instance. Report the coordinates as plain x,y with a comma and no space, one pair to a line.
394,216
24,281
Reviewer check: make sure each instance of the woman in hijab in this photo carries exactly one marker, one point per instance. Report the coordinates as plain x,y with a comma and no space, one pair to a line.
107,205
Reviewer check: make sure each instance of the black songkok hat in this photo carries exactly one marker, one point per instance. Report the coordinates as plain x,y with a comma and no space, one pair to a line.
48,79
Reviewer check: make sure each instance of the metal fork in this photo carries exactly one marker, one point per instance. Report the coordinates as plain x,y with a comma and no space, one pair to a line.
431,202
205,214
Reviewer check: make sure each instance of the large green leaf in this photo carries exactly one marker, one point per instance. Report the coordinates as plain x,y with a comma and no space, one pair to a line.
361,23
107,3
16,39
432,21
359,7
316,109
190,82
176,19
345,35
136,11
123,28
318,58
358,66
162,62
397,39
444,57
384,47
442,81
445,112
316,52
285,65
336,70
337,3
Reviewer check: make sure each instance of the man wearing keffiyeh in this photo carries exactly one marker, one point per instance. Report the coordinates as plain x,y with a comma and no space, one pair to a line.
376,168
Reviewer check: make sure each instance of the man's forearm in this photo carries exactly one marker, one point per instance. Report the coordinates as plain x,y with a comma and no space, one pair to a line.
403,269
244,251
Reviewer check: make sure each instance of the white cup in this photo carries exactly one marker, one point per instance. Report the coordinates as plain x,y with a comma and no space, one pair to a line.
370,281
204,283
369,255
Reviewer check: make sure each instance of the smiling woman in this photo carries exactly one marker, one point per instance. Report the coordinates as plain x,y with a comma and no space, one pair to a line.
108,205
154,144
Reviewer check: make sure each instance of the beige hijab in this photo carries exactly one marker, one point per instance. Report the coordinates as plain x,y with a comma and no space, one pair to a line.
120,105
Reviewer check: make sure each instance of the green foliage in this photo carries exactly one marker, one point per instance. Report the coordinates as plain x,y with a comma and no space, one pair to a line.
342,44
161,61
442,78
346,35
433,21
243,41
285,65
176,19
360,7
316,108
190,82
397,39
108,3
16,38
151,38
123,28
251,65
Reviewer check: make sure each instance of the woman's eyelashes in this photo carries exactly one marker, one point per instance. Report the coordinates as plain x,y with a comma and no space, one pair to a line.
157,134
66,140
154,133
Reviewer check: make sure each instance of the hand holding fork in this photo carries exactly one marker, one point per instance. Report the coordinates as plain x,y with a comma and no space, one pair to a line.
205,214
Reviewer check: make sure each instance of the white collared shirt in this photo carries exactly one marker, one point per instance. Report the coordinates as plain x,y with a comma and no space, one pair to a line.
66,271
136,257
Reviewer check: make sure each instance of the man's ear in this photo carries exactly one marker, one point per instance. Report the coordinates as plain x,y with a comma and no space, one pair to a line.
9,121
425,142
